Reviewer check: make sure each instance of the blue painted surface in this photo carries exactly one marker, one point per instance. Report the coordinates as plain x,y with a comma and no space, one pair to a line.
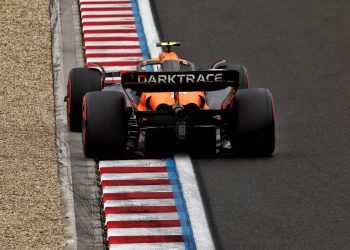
180,205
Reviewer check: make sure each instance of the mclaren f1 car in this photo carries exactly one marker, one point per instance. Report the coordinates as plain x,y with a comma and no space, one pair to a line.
173,108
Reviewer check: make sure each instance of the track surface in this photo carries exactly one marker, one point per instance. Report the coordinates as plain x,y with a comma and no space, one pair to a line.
300,50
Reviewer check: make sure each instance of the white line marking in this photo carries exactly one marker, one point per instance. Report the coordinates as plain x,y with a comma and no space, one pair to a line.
132,163
139,202
116,12
111,43
194,202
142,216
105,5
144,231
87,1
113,79
108,19
113,59
108,51
109,27
141,188
148,246
134,176
117,68
110,35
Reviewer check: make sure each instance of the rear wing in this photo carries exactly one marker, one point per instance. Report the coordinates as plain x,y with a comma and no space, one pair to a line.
180,81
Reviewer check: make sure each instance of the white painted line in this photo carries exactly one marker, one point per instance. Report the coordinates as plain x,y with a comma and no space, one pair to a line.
134,176
117,68
109,27
148,246
110,35
138,203
144,231
149,28
107,19
116,12
114,59
195,208
108,51
113,79
141,188
133,163
111,43
141,216
87,1
105,5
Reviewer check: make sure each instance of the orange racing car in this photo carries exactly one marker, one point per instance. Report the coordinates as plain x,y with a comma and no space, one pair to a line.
175,107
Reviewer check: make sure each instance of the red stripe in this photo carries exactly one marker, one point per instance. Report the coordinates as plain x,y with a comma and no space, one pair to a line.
134,182
114,55
105,39
126,63
112,81
143,224
144,195
112,47
106,9
103,2
142,209
110,170
108,23
110,31
144,239
105,16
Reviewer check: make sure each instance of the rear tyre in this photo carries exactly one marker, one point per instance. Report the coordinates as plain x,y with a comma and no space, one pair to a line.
104,125
253,126
244,82
80,82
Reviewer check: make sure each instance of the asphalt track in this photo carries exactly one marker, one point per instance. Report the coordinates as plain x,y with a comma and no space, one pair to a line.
300,50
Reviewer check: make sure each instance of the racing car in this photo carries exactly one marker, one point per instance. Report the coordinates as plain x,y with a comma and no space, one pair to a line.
174,107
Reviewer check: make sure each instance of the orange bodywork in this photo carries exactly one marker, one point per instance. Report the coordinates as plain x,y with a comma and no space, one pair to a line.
153,100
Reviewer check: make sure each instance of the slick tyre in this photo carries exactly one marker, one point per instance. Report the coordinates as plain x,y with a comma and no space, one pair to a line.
244,82
253,123
104,125
80,82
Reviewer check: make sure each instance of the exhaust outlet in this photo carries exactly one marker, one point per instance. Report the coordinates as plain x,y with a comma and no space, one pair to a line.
179,111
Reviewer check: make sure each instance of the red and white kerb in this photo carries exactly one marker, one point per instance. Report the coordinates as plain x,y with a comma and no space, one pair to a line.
110,36
139,206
